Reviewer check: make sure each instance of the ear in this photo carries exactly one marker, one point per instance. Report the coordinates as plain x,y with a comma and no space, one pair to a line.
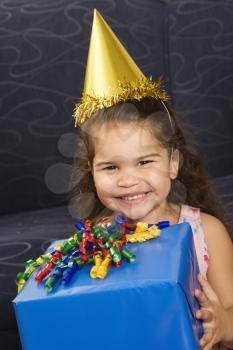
174,164
89,166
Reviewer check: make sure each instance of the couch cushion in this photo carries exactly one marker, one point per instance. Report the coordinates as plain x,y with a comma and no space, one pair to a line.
25,236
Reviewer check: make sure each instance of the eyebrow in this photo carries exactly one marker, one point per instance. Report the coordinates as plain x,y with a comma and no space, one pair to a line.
137,159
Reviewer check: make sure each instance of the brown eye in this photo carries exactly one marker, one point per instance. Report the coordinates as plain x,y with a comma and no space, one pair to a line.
110,167
144,162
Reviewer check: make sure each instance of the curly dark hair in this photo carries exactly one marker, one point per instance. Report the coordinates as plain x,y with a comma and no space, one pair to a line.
192,185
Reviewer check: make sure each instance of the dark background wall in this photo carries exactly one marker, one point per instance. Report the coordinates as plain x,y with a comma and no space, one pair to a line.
43,51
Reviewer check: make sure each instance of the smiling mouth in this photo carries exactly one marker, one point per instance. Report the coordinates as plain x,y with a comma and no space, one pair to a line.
137,198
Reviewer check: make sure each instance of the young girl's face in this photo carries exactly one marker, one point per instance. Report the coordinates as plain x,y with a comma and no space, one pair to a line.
132,171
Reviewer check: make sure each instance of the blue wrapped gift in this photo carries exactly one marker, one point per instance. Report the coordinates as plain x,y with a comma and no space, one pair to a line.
148,304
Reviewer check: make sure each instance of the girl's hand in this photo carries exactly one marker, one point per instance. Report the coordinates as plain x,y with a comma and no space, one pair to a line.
212,313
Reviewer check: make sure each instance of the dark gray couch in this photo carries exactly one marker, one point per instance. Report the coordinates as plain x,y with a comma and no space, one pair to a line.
26,236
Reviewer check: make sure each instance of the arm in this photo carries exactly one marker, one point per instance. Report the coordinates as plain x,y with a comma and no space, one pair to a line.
216,299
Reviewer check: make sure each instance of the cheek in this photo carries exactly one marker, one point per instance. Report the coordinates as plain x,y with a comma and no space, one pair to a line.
104,189
103,183
160,181
158,174
162,169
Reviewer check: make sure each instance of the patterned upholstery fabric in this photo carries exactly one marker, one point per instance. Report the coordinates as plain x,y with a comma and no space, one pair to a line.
24,236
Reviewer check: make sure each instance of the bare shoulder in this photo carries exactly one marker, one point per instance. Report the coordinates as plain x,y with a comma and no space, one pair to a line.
220,248
215,230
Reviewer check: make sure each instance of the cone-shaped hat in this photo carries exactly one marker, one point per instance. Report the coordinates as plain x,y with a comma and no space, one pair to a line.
108,61
111,74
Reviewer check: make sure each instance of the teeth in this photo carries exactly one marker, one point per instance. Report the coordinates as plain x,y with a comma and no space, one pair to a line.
134,197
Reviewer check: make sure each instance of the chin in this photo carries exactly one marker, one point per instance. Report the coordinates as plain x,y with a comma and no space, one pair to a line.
134,213
135,216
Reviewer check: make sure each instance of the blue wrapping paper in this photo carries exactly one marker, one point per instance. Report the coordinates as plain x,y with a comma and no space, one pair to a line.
149,304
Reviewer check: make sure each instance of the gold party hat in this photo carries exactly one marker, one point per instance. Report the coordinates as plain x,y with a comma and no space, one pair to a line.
112,76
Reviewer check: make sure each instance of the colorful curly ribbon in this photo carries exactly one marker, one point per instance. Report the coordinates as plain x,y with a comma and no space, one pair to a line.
100,244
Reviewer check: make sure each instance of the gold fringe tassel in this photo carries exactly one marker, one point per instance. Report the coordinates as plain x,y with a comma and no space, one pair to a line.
132,90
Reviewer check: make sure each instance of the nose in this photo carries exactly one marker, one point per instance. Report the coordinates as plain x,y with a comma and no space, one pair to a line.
128,178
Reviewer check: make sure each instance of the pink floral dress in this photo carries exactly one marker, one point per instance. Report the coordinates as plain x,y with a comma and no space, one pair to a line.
192,216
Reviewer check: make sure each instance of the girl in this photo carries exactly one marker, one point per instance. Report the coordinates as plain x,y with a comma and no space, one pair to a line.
139,163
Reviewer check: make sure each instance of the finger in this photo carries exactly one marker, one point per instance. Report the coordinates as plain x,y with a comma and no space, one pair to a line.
207,338
202,298
209,346
204,315
208,290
